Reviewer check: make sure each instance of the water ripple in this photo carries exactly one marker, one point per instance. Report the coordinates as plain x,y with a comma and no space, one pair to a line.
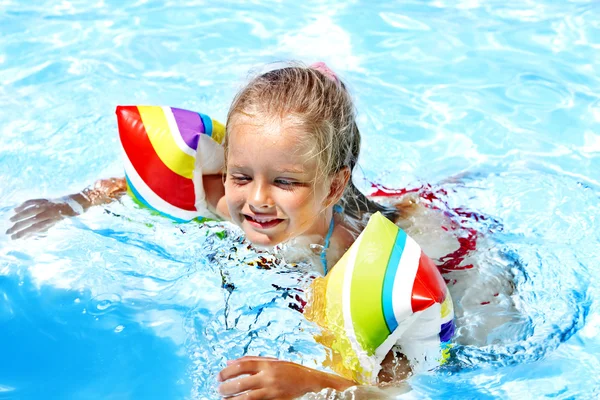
404,22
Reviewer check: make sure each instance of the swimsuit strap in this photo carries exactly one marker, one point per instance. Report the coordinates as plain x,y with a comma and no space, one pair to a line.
336,209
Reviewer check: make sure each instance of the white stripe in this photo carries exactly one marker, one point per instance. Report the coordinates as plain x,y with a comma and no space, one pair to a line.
211,156
391,340
176,133
368,363
405,280
152,198
201,203
421,343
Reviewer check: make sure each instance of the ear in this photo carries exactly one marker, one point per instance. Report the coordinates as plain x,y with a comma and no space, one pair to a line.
337,186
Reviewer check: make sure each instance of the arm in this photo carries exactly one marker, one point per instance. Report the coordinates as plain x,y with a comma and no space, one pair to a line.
215,195
38,215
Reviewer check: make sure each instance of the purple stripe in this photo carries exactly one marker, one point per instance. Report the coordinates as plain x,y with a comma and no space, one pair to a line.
190,126
447,331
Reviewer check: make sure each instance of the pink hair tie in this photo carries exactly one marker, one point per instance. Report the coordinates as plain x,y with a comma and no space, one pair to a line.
324,69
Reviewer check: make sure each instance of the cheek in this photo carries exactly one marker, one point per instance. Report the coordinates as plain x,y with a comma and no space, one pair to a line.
233,196
305,204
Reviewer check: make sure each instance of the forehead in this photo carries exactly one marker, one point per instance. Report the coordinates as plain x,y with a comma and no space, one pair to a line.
269,138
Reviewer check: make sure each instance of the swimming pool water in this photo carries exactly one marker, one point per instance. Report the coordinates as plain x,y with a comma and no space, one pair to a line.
495,102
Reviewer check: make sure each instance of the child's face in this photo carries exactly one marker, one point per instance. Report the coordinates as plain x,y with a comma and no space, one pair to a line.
269,188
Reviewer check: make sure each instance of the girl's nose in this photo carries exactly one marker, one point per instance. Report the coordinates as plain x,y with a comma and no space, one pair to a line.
260,197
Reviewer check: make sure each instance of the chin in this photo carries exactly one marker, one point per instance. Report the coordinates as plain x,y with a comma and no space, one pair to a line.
260,240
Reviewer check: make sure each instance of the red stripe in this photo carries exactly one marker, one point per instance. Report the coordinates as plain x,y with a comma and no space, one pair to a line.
429,287
382,191
169,186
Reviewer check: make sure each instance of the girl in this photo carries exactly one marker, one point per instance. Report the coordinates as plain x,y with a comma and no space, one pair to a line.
291,144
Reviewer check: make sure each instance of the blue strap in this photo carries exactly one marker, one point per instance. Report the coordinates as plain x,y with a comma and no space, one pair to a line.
336,209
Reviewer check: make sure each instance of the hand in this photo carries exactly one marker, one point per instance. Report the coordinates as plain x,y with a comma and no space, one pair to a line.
270,378
38,215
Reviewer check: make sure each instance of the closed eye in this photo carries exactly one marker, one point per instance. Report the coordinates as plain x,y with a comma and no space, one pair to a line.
240,179
287,184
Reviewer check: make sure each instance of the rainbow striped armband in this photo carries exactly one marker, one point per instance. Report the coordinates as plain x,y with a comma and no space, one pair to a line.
383,292
166,152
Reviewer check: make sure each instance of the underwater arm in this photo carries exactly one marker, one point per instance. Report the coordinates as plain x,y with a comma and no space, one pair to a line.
38,215
270,378
394,368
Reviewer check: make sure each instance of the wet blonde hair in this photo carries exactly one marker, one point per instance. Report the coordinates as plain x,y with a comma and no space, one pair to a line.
320,105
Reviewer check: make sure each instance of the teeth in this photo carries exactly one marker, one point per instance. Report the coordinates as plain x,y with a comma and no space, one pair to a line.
263,220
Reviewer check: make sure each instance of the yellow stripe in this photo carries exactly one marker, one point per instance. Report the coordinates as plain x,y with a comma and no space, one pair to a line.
335,281
446,306
334,311
218,133
164,144
445,354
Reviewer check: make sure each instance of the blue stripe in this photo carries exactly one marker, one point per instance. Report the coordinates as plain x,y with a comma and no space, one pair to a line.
388,281
208,125
138,197
446,331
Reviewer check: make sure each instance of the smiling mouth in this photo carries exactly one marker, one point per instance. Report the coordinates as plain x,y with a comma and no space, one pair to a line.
262,222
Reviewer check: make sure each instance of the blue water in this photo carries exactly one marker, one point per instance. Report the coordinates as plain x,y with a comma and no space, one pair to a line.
500,96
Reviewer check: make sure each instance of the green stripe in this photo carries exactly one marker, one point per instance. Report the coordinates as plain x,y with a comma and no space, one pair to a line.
367,283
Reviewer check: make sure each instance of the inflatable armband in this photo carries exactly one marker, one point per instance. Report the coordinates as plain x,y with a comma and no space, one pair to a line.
383,292
166,152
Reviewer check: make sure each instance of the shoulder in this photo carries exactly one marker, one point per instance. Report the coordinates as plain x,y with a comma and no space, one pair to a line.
341,240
